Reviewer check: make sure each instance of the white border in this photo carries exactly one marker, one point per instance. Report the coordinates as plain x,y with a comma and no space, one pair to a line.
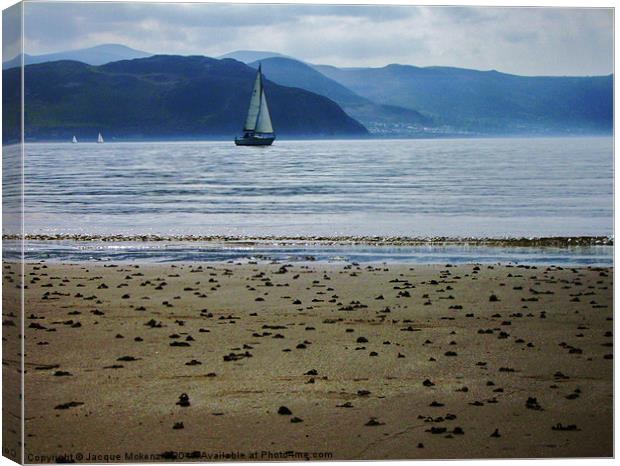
496,3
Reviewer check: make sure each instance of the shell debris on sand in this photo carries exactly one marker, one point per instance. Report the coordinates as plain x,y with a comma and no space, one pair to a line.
526,377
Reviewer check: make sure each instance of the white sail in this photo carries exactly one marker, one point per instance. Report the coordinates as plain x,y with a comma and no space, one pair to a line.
258,129
250,121
263,123
74,140
100,138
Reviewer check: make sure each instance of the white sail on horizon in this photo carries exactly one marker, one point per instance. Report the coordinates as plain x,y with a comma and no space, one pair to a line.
258,119
100,138
74,140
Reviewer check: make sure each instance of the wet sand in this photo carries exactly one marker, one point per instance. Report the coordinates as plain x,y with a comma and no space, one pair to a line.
346,362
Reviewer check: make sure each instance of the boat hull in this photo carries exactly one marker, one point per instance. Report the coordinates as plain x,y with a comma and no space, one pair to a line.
254,141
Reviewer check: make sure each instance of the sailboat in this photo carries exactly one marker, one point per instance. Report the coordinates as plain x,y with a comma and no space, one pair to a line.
74,140
100,139
258,130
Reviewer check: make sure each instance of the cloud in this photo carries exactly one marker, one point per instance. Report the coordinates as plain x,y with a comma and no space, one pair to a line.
529,41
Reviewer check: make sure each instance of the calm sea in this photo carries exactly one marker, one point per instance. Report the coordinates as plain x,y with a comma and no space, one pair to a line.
456,188
417,188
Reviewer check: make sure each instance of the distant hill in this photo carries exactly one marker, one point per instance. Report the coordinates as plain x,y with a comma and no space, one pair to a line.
162,96
487,102
249,56
395,100
379,119
98,55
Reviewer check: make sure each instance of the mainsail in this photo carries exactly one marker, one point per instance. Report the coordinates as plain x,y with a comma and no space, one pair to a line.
258,120
100,138
74,140
250,121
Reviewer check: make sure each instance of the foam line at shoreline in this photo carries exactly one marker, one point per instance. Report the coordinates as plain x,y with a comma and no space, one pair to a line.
552,241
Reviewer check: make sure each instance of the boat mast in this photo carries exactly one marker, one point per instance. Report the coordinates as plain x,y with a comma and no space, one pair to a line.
260,94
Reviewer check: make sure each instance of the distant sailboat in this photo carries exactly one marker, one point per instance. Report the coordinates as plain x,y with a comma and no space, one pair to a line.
74,140
258,130
100,139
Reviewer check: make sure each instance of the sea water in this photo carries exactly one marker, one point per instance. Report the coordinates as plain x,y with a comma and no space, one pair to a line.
442,187
499,188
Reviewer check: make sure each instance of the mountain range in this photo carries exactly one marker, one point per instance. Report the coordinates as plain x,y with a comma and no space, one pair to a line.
131,93
454,101
487,102
162,96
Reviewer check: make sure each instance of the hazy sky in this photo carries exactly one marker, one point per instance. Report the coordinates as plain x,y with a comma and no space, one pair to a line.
529,41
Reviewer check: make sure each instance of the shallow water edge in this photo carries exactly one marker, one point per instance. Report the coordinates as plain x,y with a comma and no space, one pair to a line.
559,252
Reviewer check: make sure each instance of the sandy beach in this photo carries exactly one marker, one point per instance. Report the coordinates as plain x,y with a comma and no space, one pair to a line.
328,361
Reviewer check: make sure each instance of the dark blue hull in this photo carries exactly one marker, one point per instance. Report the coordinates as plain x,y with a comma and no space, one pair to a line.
254,141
